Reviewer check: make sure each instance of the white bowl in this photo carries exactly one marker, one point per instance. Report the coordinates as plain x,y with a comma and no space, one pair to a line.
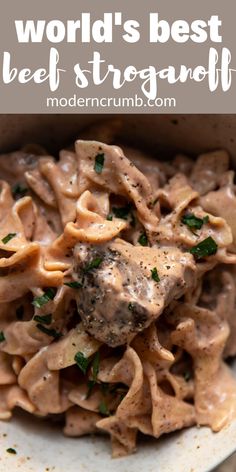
40,445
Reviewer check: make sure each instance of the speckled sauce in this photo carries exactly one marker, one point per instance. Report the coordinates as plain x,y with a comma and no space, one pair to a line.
127,268
193,450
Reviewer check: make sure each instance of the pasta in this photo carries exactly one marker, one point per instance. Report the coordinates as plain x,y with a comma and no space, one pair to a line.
117,288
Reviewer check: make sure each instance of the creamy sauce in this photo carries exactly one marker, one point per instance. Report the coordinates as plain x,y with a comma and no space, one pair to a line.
117,289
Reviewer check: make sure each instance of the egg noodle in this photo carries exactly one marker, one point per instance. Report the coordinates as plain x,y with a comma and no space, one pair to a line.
117,288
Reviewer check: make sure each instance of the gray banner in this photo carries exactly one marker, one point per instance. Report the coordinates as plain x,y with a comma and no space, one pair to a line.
182,53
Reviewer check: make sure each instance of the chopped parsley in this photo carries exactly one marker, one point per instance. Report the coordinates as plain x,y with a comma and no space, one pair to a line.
117,389
44,319
81,361
20,312
105,388
8,237
155,275
122,212
74,284
99,163
50,332
143,240
205,248
2,337
95,370
19,190
94,264
133,220
11,450
90,386
187,375
205,219
38,302
95,366
153,203
122,395
131,306
103,409
120,389
193,222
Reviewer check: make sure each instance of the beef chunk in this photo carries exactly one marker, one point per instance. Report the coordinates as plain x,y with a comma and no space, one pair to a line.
120,295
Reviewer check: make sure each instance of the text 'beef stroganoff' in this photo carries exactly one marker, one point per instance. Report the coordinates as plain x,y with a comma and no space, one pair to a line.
117,289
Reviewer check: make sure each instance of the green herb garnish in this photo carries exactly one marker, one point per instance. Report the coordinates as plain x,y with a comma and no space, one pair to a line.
38,302
155,275
153,203
205,248
20,312
95,366
90,386
121,212
50,332
133,220
131,306
122,395
143,240
8,238
103,409
193,222
2,337
124,213
187,376
94,264
105,388
19,190
11,450
99,163
119,389
95,370
74,284
81,361
44,319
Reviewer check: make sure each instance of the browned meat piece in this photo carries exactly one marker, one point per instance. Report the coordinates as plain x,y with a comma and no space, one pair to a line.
125,287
